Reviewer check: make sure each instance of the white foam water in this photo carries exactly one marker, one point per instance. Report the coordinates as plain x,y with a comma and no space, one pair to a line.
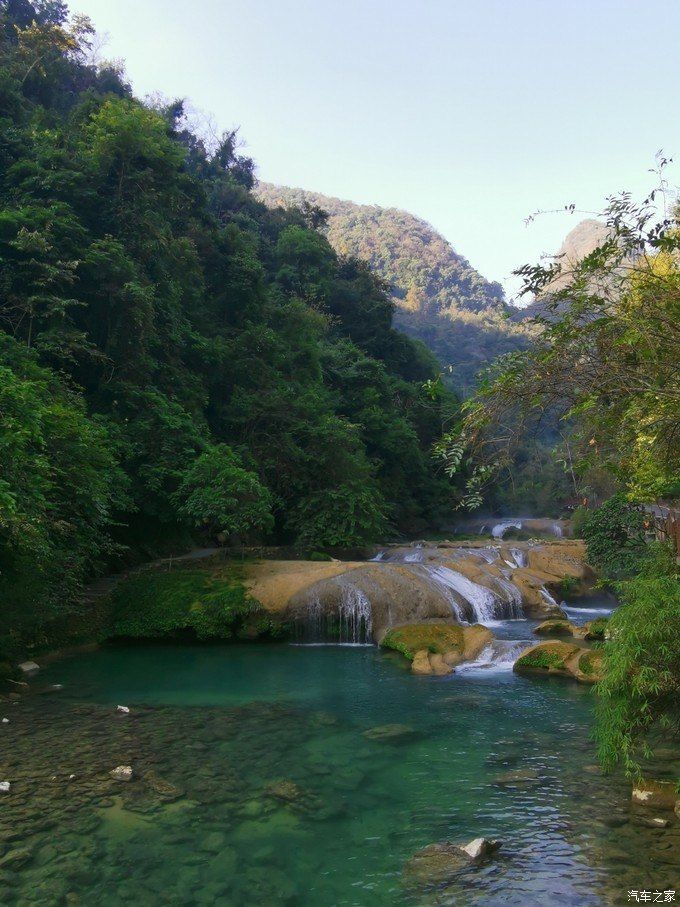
499,656
500,529
356,624
482,601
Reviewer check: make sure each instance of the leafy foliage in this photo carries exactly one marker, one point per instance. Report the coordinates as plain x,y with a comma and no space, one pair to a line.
209,605
639,696
615,537
217,493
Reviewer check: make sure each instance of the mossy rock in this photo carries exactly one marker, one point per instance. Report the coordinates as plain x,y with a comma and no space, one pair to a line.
555,628
546,657
437,638
563,659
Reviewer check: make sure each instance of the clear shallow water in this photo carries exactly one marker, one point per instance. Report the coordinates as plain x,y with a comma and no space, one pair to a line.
255,784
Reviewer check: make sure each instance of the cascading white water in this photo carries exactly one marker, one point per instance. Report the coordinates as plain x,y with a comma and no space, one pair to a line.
513,609
483,602
499,655
351,621
520,557
500,529
548,597
355,616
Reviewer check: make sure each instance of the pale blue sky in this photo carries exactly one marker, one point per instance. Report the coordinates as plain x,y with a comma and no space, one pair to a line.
469,114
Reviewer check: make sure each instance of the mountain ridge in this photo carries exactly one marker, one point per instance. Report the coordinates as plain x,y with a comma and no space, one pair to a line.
439,297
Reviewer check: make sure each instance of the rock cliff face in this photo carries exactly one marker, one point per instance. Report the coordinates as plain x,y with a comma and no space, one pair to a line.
463,582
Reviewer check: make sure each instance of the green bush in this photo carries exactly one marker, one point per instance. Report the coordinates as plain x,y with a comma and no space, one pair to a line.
615,538
210,605
639,695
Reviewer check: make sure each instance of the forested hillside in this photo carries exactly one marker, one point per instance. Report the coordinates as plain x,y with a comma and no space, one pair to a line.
176,358
441,299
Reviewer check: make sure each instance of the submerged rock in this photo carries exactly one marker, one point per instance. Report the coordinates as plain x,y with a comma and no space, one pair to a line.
285,790
659,794
439,863
389,732
4,787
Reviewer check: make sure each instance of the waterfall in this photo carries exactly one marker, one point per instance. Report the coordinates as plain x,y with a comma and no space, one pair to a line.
514,597
500,529
482,601
355,616
520,557
499,655
348,621
548,597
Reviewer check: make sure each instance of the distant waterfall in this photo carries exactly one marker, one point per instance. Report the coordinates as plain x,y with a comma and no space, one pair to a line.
500,529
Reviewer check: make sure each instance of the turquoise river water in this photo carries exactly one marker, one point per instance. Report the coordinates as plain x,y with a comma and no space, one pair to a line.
264,774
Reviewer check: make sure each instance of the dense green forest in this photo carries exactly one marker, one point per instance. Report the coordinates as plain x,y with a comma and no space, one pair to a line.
440,298
177,359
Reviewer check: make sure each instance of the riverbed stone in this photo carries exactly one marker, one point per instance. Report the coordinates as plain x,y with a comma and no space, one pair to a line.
122,773
389,732
439,863
656,794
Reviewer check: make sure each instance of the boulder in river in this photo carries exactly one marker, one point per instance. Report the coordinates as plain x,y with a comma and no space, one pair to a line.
592,630
435,647
562,659
29,667
121,773
437,864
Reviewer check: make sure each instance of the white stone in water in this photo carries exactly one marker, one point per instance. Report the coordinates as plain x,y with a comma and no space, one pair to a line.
122,773
4,787
641,795
479,848
123,708
29,667
5,720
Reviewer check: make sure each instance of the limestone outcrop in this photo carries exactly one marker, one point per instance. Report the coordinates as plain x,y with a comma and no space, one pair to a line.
469,582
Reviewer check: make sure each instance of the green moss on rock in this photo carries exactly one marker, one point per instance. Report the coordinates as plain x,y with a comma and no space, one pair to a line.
435,638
